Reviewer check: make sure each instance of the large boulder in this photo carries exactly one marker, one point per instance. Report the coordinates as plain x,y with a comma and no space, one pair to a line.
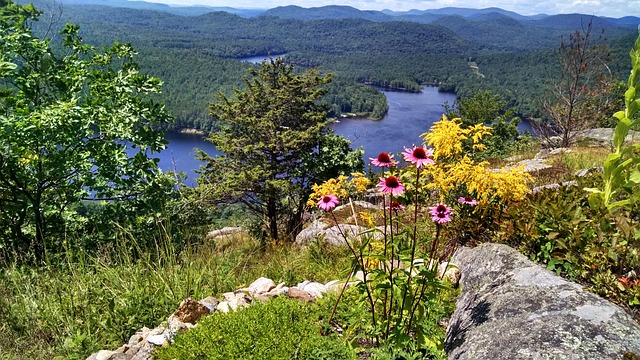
511,308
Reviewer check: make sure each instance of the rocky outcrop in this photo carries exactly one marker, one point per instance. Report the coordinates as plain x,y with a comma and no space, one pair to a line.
511,308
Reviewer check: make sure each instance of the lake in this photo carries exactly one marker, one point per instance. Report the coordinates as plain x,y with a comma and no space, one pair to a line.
410,114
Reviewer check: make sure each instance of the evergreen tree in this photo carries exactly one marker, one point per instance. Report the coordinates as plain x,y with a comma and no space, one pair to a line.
270,135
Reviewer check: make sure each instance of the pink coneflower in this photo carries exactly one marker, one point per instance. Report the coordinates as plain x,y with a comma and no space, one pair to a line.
419,156
383,160
391,185
440,213
328,202
395,206
467,200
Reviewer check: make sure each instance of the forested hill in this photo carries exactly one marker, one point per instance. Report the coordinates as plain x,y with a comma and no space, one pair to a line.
193,54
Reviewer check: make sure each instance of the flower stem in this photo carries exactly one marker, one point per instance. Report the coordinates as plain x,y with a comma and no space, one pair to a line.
364,271
414,243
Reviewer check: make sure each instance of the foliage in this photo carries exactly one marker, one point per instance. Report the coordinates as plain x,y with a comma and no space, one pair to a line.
622,167
66,126
588,244
277,329
99,300
577,96
484,107
402,278
344,187
275,145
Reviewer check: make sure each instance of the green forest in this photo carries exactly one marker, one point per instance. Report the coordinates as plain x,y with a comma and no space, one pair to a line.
193,54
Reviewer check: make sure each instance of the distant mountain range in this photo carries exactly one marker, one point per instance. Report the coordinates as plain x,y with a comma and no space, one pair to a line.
561,21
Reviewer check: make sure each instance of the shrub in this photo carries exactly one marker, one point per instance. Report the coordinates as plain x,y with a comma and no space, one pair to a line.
277,329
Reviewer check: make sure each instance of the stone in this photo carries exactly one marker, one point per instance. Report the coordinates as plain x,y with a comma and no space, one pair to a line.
223,307
591,171
261,285
334,285
190,311
236,299
560,150
135,339
316,289
158,340
143,352
301,295
175,325
604,136
210,302
280,289
537,189
361,204
225,232
332,235
110,355
155,331
511,308
302,284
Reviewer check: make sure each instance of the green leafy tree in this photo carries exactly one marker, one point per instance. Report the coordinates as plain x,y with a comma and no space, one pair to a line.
66,121
275,144
485,107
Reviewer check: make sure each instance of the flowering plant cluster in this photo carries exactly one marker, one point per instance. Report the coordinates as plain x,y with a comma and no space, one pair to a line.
400,271
342,187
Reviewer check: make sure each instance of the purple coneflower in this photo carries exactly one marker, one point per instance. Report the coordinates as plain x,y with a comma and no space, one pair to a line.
391,185
395,206
419,156
328,202
467,200
440,213
383,160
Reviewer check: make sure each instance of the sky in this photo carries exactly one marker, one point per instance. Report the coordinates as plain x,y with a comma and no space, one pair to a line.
612,8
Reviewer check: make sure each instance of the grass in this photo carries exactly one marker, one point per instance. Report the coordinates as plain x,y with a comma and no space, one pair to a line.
72,310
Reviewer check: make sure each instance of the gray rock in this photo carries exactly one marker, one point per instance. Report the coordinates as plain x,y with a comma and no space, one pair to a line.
593,170
110,355
261,285
311,232
511,308
332,235
236,300
143,352
316,289
604,136
210,302
158,340
225,232
135,339
357,203
554,186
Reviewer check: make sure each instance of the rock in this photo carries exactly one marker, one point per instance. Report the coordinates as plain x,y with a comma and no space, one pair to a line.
593,170
316,289
361,204
190,311
262,285
511,308
110,355
143,352
302,284
158,340
155,331
236,299
210,302
560,150
301,295
223,307
280,289
532,165
135,339
225,232
604,136
554,186
311,232
334,285
175,325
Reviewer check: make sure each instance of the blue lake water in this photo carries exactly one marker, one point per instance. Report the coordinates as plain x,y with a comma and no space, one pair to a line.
410,114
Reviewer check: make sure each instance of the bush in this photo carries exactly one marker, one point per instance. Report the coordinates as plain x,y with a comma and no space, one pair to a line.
277,329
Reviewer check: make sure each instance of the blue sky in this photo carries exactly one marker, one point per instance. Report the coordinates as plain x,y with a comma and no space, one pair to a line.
613,8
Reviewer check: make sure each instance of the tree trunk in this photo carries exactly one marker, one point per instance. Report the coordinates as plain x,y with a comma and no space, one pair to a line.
272,215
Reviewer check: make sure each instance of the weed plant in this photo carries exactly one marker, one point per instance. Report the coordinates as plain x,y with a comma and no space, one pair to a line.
68,311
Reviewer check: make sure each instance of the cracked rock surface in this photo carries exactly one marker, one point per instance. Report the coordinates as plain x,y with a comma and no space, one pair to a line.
511,308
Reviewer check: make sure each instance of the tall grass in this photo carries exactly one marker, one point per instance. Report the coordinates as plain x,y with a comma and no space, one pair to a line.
96,301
